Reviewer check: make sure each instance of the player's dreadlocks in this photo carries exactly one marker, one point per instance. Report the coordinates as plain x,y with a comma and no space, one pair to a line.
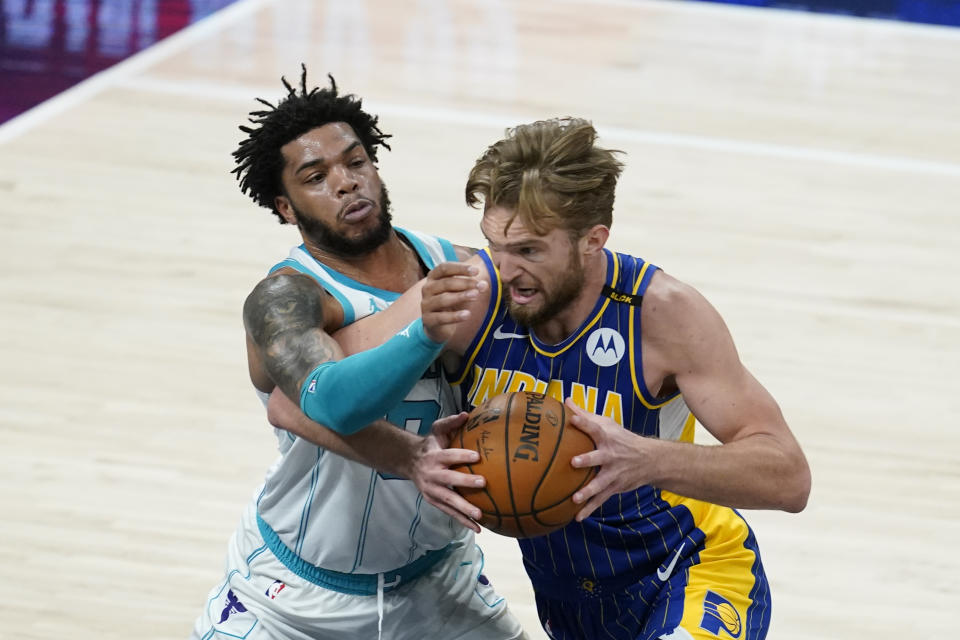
258,158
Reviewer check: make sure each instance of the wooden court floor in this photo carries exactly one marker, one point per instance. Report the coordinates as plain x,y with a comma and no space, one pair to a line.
803,171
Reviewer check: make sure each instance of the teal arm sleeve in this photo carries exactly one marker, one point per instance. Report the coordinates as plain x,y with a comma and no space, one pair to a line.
349,394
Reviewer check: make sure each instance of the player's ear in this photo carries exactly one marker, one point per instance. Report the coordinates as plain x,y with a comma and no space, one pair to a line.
594,239
285,209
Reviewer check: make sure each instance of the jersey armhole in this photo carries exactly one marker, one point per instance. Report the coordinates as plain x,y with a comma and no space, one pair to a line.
636,356
348,314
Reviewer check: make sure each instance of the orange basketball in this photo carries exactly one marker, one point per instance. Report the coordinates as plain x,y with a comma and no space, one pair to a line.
525,445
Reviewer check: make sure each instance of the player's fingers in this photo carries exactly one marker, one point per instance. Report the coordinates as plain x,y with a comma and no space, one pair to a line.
453,504
449,424
584,421
437,319
448,301
452,478
453,457
448,286
595,487
453,269
589,459
591,506
459,517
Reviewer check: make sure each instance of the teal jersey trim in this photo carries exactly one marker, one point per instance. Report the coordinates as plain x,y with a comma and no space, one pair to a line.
348,314
361,584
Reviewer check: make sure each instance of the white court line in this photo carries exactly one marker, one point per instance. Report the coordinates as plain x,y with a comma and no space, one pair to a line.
134,64
246,94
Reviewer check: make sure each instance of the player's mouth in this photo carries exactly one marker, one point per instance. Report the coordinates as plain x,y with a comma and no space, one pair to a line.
522,295
357,210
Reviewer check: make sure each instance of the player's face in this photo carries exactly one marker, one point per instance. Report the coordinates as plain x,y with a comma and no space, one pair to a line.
333,191
541,274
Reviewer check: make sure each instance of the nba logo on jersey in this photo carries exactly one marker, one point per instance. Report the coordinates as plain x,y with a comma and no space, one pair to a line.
719,613
274,590
605,347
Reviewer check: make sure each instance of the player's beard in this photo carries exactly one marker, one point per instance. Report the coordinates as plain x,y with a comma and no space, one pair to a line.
556,300
328,239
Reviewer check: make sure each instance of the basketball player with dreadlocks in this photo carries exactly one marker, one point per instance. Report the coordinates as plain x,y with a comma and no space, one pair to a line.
339,542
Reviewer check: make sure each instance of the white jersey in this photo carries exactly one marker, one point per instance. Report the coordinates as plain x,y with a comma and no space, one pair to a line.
339,515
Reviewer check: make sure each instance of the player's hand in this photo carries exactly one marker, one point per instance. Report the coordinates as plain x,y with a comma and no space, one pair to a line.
449,288
434,477
619,454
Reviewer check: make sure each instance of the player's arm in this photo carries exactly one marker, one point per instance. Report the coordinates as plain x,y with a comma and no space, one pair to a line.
389,449
758,465
284,319
373,330
451,301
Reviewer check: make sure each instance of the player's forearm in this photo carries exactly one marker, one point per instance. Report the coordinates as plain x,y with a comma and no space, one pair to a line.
381,445
376,329
756,472
348,395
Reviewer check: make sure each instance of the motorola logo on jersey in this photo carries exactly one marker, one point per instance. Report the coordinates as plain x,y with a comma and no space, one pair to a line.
605,347
719,613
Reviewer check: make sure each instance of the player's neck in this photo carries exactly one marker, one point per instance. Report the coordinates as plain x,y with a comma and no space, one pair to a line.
562,325
393,266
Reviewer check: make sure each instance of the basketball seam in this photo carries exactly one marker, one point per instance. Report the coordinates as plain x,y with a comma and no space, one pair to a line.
553,458
506,441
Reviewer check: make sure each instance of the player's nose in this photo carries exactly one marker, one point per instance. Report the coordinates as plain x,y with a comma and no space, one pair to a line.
508,268
343,180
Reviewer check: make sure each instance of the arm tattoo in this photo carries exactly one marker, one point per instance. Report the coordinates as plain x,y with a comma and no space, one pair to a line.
284,317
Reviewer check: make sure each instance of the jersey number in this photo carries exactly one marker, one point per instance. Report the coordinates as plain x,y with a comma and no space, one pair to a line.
416,416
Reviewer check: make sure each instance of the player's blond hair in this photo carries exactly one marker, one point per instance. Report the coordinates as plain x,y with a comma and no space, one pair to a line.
551,174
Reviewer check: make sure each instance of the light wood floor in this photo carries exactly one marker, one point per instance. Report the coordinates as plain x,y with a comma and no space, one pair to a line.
803,171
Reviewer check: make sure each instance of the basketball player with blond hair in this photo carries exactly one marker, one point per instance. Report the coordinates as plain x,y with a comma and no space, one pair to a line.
657,550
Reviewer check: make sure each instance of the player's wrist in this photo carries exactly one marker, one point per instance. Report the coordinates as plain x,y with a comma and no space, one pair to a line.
428,339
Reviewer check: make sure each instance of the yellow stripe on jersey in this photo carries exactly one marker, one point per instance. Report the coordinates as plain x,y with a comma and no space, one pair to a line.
633,359
613,279
486,330
689,429
725,565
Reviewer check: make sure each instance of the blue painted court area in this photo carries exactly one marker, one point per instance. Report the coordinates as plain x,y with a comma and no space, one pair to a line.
942,12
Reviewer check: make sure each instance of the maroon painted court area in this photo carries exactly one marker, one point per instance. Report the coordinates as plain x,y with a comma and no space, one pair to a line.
47,46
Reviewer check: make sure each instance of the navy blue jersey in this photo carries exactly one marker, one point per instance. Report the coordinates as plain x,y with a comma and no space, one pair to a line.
637,539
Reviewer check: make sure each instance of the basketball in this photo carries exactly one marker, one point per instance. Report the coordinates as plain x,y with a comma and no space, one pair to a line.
525,445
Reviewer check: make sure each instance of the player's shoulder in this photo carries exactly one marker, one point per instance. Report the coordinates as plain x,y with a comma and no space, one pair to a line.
282,279
282,271
670,304
665,289
287,285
